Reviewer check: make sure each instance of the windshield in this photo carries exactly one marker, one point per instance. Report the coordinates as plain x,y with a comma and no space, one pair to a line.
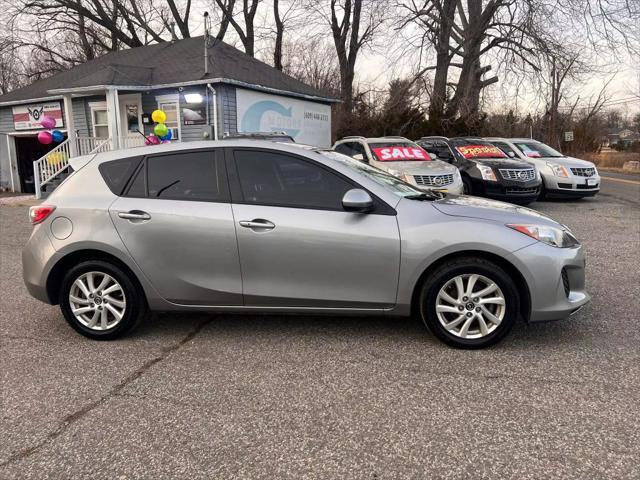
537,150
480,150
398,152
391,183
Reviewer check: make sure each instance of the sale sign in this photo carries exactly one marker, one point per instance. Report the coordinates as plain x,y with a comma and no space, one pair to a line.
29,116
481,151
387,154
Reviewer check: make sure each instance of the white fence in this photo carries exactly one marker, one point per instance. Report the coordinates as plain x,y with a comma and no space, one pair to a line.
47,167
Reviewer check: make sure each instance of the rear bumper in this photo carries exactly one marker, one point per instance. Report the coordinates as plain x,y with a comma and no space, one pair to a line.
36,260
556,280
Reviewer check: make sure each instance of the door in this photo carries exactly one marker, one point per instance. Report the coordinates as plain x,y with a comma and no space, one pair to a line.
130,120
176,221
298,247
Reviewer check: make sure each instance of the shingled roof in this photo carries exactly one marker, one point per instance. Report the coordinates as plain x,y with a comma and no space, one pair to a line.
167,64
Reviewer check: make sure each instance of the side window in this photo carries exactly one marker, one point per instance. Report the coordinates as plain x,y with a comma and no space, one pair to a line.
345,149
358,149
195,176
116,173
280,180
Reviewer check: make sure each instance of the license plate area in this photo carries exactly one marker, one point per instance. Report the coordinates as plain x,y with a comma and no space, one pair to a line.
592,182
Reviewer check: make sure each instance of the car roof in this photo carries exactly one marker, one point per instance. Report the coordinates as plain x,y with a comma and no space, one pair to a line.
390,138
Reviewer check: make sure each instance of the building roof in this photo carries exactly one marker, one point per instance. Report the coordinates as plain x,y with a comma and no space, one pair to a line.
165,65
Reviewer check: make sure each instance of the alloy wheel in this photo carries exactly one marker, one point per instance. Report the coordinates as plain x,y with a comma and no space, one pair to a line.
97,301
470,306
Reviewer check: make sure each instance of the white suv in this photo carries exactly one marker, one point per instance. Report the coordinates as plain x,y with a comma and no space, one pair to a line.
404,159
562,176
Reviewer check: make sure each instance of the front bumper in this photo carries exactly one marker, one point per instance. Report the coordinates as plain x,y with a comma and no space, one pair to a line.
508,190
573,186
556,280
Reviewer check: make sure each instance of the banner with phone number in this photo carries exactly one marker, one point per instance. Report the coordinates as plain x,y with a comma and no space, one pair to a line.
386,154
481,151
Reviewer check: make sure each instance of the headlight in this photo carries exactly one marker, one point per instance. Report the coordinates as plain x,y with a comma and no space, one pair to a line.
558,170
556,237
487,173
407,178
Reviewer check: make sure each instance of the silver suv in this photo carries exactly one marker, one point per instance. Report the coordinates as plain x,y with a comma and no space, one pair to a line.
404,159
247,225
562,176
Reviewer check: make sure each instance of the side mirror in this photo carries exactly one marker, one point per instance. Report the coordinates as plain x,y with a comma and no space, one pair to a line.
357,200
358,156
433,156
511,154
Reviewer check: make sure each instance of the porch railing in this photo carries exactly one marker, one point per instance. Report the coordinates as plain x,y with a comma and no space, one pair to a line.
87,145
131,142
47,167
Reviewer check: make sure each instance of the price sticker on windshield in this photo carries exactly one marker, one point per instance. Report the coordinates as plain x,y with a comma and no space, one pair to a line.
481,151
386,154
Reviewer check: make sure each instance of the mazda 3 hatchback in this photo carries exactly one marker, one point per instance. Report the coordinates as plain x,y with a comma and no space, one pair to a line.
246,226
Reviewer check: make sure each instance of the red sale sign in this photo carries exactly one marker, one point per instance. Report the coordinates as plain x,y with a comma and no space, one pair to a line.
387,154
481,151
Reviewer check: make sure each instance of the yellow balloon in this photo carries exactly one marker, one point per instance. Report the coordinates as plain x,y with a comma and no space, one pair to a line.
158,116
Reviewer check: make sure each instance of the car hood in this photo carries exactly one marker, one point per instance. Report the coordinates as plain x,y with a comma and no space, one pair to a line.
568,161
482,208
501,163
414,167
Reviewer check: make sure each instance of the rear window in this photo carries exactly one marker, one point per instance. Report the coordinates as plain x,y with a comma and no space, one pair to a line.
398,152
116,173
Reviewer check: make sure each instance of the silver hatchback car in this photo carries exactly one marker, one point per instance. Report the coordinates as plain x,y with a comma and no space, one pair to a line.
246,226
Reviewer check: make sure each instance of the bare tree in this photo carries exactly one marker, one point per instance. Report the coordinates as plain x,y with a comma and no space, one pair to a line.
246,32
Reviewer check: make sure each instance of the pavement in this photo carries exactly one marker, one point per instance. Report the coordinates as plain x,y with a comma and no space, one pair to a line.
239,396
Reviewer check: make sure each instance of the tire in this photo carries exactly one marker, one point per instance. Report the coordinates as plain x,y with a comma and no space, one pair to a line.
121,295
467,186
443,279
543,192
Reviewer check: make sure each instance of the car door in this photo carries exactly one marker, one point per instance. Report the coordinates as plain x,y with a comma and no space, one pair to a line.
176,221
298,247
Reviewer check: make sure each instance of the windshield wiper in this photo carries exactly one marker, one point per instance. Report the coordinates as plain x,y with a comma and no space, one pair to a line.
425,196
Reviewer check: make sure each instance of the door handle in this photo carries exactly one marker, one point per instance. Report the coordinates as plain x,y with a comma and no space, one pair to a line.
258,223
135,215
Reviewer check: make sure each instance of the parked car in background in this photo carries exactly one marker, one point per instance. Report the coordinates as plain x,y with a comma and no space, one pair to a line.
404,159
250,226
486,170
271,136
562,176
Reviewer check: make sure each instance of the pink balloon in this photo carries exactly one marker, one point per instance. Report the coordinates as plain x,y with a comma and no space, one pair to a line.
45,138
48,122
154,140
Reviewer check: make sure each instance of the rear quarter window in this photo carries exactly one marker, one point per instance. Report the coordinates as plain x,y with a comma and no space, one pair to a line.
116,173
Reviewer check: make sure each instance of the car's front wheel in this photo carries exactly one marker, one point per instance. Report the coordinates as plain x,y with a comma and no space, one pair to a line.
469,303
99,300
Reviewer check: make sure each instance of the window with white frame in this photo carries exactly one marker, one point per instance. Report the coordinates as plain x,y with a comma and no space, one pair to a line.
169,105
100,120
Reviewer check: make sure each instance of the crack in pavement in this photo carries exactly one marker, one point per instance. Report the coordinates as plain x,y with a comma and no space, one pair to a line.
79,414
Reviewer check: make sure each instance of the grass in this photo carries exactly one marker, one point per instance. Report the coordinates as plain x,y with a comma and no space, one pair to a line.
612,160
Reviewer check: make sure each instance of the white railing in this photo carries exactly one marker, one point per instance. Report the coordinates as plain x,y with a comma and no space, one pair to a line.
88,145
50,165
103,146
131,142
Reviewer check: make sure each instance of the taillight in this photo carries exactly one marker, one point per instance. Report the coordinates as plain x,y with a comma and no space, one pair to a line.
40,212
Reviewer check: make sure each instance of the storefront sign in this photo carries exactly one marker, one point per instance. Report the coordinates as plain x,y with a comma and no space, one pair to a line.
27,117
307,122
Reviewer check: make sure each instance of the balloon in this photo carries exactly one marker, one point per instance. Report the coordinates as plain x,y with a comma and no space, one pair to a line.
158,116
160,130
167,136
57,136
147,141
45,138
48,122
153,140
166,141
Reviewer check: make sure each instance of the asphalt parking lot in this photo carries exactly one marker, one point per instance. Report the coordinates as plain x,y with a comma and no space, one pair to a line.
222,396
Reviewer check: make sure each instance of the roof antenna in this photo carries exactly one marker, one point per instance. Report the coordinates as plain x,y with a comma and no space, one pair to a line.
207,26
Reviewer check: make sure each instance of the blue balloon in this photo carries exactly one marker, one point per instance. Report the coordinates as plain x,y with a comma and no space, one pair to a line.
167,136
57,136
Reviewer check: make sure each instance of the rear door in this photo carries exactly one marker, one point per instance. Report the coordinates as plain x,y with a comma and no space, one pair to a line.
298,247
175,219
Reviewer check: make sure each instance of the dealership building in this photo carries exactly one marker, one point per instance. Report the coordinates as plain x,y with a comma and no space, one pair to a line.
106,104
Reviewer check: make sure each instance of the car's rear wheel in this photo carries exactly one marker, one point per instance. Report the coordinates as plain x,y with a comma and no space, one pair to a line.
469,303
100,301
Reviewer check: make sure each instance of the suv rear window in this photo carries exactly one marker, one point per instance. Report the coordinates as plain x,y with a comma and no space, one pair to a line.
116,173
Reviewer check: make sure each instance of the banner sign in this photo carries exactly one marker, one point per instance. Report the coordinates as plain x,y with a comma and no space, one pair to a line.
481,151
386,154
305,121
27,117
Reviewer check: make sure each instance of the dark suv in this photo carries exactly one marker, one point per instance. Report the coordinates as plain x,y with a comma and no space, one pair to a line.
486,170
